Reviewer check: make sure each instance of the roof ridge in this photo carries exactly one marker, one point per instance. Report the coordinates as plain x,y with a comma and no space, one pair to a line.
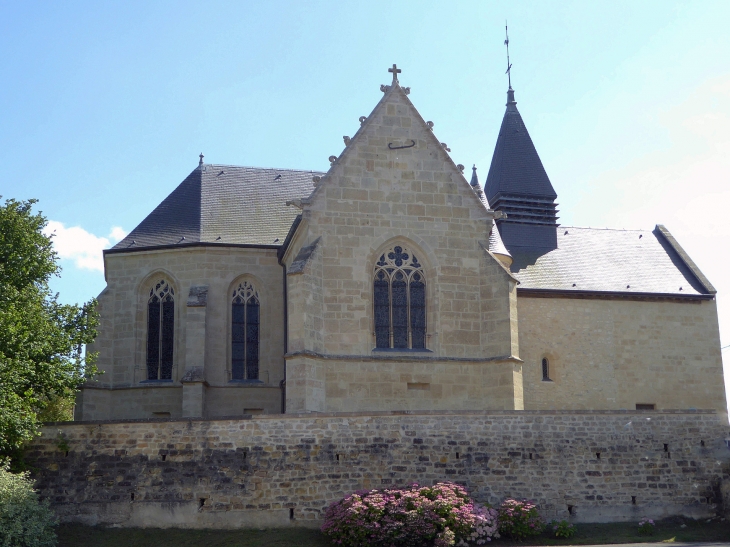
256,167
607,229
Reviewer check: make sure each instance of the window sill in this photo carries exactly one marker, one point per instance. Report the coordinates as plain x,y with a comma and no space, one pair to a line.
155,381
406,351
249,382
547,380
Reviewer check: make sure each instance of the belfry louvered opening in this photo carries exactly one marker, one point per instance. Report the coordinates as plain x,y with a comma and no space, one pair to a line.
399,300
245,322
160,331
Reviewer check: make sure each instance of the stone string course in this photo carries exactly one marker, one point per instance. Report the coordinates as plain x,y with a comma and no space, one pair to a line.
284,470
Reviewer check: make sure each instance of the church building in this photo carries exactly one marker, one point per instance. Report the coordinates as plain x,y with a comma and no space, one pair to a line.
393,282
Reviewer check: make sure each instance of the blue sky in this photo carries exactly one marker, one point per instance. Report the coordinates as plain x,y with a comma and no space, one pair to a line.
106,106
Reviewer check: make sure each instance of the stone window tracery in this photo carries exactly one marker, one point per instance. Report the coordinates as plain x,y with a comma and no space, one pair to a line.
160,331
399,300
245,332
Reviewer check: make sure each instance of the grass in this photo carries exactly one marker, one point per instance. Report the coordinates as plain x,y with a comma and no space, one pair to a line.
76,535
669,530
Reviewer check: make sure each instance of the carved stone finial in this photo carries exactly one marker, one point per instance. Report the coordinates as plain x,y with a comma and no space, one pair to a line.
347,140
407,90
446,147
362,119
430,125
460,168
332,159
201,159
384,88
316,180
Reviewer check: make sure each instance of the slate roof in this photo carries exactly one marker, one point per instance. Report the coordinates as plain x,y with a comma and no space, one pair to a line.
516,168
495,242
617,261
225,204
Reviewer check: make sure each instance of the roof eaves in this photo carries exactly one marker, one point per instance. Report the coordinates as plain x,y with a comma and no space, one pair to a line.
624,295
188,245
669,238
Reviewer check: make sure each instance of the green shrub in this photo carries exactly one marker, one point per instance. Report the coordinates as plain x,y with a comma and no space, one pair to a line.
562,529
24,521
646,527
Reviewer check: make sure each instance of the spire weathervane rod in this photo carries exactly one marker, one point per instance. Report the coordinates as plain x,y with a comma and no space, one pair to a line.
509,66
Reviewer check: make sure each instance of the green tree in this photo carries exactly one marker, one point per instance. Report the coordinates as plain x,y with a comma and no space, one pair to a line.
42,364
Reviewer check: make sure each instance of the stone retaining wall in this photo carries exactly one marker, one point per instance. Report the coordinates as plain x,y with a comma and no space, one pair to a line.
283,470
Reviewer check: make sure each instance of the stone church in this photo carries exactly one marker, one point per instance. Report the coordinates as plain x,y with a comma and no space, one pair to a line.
393,283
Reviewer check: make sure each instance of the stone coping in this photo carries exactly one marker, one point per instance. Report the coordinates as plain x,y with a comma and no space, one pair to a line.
414,413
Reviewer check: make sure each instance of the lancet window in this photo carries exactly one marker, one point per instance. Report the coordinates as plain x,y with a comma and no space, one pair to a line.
399,299
160,331
245,332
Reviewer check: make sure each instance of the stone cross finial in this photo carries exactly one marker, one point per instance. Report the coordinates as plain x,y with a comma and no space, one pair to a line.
395,71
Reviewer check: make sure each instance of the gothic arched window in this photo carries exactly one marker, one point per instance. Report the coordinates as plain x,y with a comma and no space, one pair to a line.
160,331
245,332
399,300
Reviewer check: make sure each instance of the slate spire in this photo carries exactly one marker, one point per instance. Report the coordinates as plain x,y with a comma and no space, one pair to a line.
518,185
474,179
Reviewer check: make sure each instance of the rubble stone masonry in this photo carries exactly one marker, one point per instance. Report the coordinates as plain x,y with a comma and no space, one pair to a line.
284,470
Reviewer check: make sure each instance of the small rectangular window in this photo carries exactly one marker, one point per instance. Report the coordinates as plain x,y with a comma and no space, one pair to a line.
545,370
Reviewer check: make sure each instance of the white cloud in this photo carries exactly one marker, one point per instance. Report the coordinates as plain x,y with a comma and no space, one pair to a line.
117,234
84,248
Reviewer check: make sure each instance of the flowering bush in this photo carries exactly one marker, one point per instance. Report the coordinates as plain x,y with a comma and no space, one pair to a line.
519,519
646,527
24,521
441,515
562,529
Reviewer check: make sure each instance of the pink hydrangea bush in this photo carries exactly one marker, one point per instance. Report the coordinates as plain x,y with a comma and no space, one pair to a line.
441,515
519,519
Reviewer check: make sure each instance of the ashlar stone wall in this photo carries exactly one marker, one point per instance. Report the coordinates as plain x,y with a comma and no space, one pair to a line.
613,354
202,334
395,184
284,470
